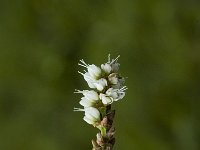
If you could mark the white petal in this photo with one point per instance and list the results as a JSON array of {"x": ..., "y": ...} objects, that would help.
[
  {"x": 92, "y": 95},
  {"x": 106, "y": 68},
  {"x": 112, "y": 93},
  {"x": 91, "y": 85},
  {"x": 85, "y": 102},
  {"x": 106, "y": 99},
  {"x": 113, "y": 79},
  {"x": 92, "y": 113},
  {"x": 87, "y": 77},
  {"x": 88, "y": 120},
  {"x": 94, "y": 71},
  {"x": 90, "y": 116},
  {"x": 101, "y": 84},
  {"x": 121, "y": 95}
]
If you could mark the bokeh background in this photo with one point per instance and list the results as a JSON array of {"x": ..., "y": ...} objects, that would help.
[{"x": 41, "y": 42}]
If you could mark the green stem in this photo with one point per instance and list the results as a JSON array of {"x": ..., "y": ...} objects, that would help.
[{"x": 102, "y": 129}]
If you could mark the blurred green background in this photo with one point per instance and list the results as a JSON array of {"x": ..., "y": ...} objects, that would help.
[{"x": 41, "y": 42}]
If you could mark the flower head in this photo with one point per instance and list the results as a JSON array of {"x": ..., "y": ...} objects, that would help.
[{"x": 107, "y": 85}]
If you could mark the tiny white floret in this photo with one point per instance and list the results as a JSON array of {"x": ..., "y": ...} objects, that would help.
[
  {"x": 100, "y": 84},
  {"x": 106, "y": 68},
  {"x": 94, "y": 71},
  {"x": 113, "y": 78},
  {"x": 106, "y": 99},
  {"x": 92, "y": 115}
]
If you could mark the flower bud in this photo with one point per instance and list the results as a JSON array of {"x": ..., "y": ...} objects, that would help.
[
  {"x": 105, "y": 99},
  {"x": 106, "y": 68},
  {"x": 100, "y": 140},
  {"x": 111, "y": 132},
  {"x": 95, "y": 145},
  {"x": 100, "y": 84},
  {"x": 113, "y": 78}
]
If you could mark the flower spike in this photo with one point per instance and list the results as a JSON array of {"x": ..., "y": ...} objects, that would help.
[{"x": 107, "y": 87}]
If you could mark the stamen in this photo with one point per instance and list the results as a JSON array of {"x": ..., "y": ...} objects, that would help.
[
  {"x": 115, "y": 60},
  {"x": 81, "y": 73},
  {"x": 108, "y": 58},
  {"x": 85, "y": 75},
  {"x": 123, "y": 88},
  {"x": 78, "y": 91},
  {"x": 79, "y": 109},
  {"x": 83, "y": 63}
]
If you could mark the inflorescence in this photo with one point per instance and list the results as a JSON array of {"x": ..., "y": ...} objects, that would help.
[{"x": 107, "y": 87}]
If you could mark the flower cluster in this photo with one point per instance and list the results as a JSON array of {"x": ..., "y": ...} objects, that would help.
[{"x": 106, "y": 87}]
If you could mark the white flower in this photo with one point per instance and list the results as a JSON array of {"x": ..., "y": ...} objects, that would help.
[
  {"x": 113, "y": 78},
  {"x": 86, "y": 102},
  {"x": 116, "y": 94},
  {"x": 93, "y": 71},
  {"x": 90, "y": 98},
  {"x": 91, "y": 95},
  {"x": 88, "y": 79},
  {"x": 92, "y": 83},
  {"x": 92, "y": 115},
  {"x": 112, "y": 95},
  {"x": 100, "y": 84},
  {"x": 106, "y": 99},
  {"x": 106, "y": 68},
  {"x": 108, "y": 85}
]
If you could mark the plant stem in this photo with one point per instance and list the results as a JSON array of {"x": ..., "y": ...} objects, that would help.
[{"x": 105, "y": 139}]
